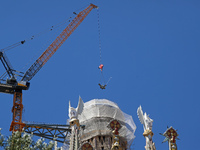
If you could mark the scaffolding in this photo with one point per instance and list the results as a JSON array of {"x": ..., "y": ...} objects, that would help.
[{"x": 96, "y": 116}]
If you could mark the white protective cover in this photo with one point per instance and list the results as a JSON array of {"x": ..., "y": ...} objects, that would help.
[{"x": 96, "y": 116}]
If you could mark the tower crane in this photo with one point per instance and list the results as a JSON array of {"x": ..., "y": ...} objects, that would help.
[{"x": 15, "y": 87}]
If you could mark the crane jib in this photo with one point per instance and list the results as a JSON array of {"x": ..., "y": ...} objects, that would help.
[{"x": 30, "y": 73}]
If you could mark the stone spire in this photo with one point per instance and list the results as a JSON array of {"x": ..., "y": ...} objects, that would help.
[
  {"x": 147, "y": 124},
  {"x": 171, "y": 136},
  {"x": 74, "y": 124}
]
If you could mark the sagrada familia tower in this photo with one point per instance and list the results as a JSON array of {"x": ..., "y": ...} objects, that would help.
[{"x": 99, "y": 124}]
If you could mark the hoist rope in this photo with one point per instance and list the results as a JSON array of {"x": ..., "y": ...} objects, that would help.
[
  {"x": 102, "y": 86},
  {"x": 99, "y": 36},
  {"x": 100, "y": 53},
  {"x": 102, "y": 77}
]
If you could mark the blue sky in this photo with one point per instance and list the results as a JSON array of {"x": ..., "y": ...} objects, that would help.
[{"x": 149, "y": 48}]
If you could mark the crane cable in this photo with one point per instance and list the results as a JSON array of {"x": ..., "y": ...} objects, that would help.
[
  {"x": 99, "y": 33},
  {"x": 42, "y": 48},
  {"x": 102, "y": 86},
  {"x": 37, "y": 35},
  {"x": 12, "y": 46},
  {"x": 56, "y": 27}
]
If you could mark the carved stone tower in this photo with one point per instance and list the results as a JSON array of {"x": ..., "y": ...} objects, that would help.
[
  {"x": 171, "y": 136},
  {"x": 106, "y": 127}
]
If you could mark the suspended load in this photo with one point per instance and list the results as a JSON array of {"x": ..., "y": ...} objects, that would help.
[
  {"x": 101, "y": 67},
  {"x": 102, "y": 86}
]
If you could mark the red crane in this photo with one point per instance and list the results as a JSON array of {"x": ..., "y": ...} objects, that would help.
[{"x": 12, "y": 86}]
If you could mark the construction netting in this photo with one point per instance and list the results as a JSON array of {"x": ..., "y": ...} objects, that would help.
[{"x": 96, "y": 116}]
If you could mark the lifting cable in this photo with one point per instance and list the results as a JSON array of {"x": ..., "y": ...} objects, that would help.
[
  {"x": 99, "y": 35},
  {"x": 102, "y": 86}
]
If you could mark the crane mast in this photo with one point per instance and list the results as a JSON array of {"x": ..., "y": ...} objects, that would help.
[{"x": 17, "y": 88}]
